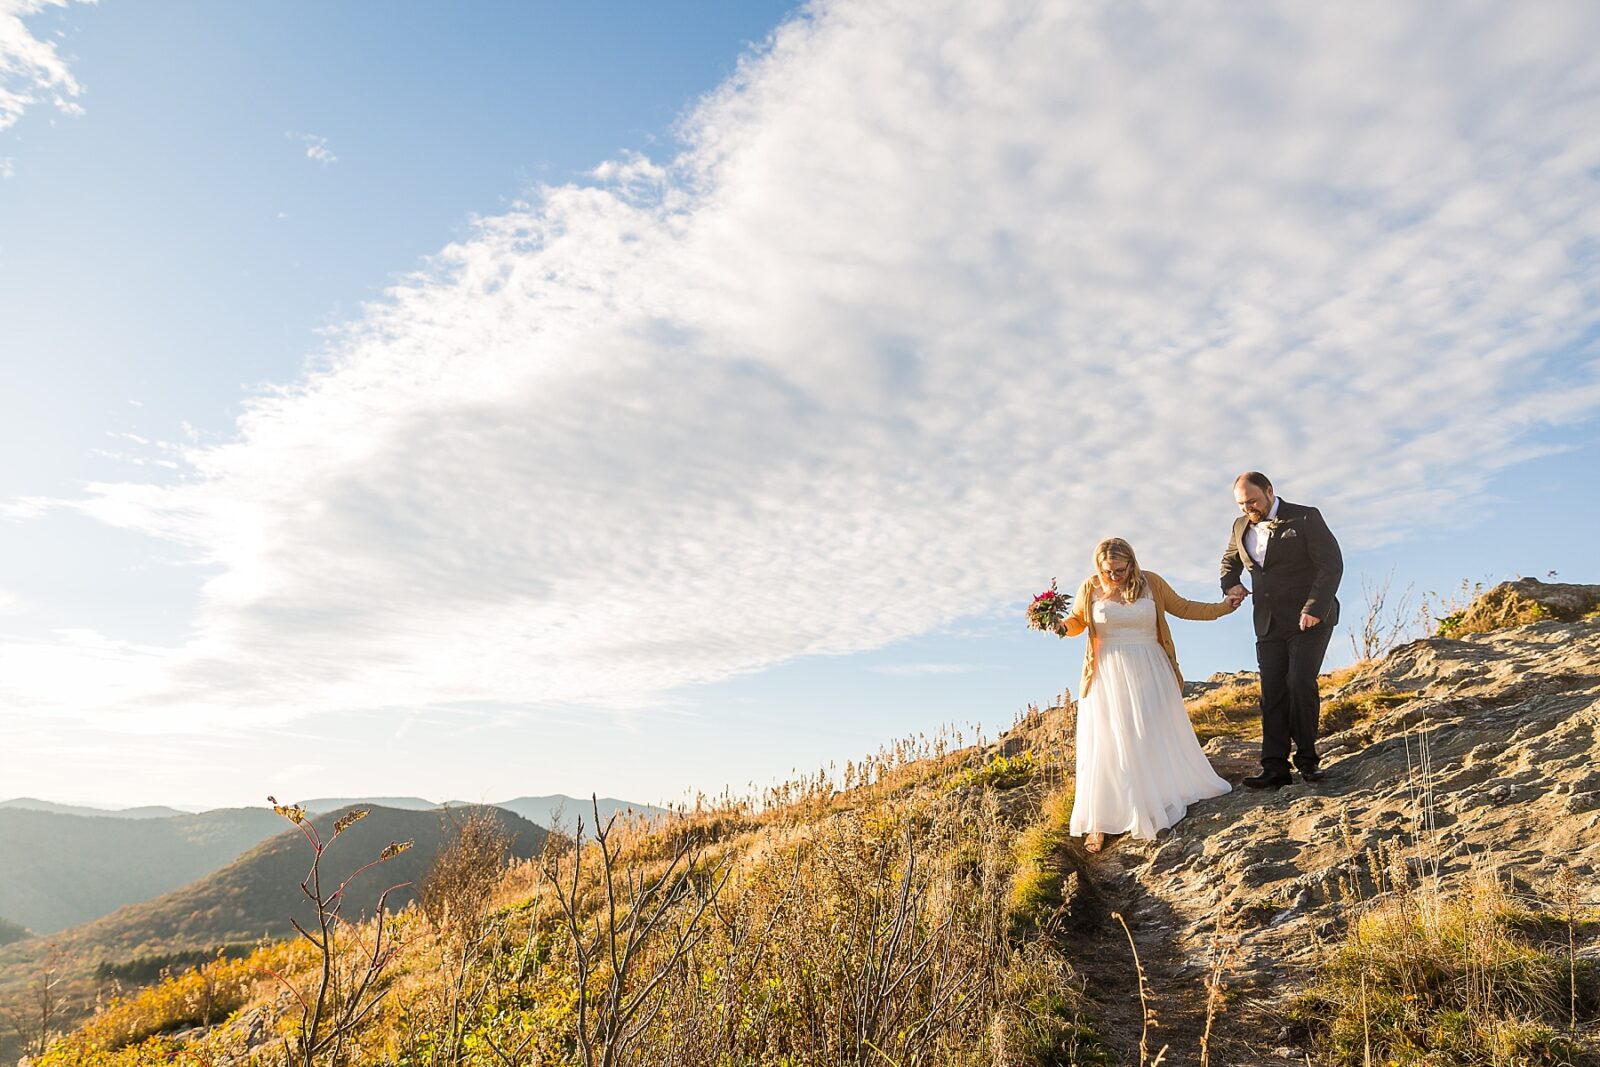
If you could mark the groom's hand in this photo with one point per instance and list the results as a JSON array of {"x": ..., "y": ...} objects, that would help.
[
  {"x": 1237, "y": 593},
  {"x": 1308, "y": 621}
]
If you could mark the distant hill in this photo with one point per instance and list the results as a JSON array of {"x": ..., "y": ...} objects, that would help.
[
  {"x": 152, "y": 811},
  {"x": 548, "y": 811},
  {"x": 10, "y": 931},
  {"x": 61, "y": 870},
  {"x": 258, "y": 893},
  {"x": 541, "y": 810},
  {"x": 326, "y": 804},
  {"x": 65, "y": 865}
]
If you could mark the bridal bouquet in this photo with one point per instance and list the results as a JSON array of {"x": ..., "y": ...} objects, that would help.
[{"x": 1048, "y": 612}]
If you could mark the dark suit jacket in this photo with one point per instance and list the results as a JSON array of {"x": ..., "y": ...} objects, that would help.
[{"x": 1300, "y": 572}]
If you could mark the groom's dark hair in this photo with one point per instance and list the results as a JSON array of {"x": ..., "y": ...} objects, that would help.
[{"x": 1255, "y": 478}]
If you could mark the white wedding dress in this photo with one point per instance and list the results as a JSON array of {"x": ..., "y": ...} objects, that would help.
[{"x": 1139, "y": 764}]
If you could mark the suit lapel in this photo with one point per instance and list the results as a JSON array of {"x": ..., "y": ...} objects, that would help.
[
  {"x": 1285, "y": 513},
  {"x": 1240, "y": 525}
]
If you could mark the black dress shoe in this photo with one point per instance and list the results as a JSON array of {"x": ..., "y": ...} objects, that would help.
[
  {"x": 1268, "y": 781},
  {"x": 1313, "y": 775}
]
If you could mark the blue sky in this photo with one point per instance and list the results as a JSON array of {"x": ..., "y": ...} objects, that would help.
[{"x": 508, "y": 399}]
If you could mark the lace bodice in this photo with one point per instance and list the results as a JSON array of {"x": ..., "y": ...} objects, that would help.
[{"x": 1115, "y": 621}]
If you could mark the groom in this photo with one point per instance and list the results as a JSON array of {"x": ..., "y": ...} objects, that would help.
[{"x": 1294, "y": 566}]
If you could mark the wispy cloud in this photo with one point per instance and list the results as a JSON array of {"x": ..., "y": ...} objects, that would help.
[
  {"x": 316, "y": 147},
  {"x": 936, "y": 295},
  {"x": 31, "y": 69}
]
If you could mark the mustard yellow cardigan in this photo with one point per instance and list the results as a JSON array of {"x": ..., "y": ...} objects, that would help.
[{"x": 1080, "y": 618}]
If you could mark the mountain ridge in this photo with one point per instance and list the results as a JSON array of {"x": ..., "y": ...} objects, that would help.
[
  {"x": 148, "y": 811},
  {"x": 257, "y": 894}
]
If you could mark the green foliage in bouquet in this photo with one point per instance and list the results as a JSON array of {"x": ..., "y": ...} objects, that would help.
[{"x": 1048, "y": 611}]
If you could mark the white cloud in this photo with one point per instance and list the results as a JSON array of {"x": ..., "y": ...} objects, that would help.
[
  {"x": 31, "y": 69},
  {"x": 937, "y": 295},
  {"x": 316, "y": 148}
]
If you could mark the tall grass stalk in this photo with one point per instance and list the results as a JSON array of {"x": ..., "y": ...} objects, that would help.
[{"x": 1147, "y": 1013}]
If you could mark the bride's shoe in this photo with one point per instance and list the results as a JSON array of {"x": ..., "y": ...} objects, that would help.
[{"x": 1094, "y": 842}]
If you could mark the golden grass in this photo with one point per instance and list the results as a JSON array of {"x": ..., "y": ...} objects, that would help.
[
  {"x": 133, "y": 1025},
  {"x": 1425, "y": 978},
  {"x": 794, "y": 963},
  {"x": 1234, "y": 710},
  {"x": 1039, "y": 873}
]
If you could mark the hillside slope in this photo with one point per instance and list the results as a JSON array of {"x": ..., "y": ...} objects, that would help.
[
  {"x": 566, "y": 811},
  {"x": 258, "y": 894},
  {"x": 10, "y": 931},
  {"x": 62, "y": 870}
]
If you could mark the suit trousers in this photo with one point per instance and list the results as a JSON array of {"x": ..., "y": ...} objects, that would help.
[{"x": 1290, "y": 660}]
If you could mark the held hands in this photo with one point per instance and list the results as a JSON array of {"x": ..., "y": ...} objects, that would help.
[{"x": 1236, "y": 595}]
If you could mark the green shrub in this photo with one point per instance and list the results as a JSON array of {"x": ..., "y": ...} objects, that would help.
[{"x": 999, "y": 773}]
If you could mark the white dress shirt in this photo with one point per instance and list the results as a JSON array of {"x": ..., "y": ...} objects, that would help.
[{"x": 1255, "y": 537}]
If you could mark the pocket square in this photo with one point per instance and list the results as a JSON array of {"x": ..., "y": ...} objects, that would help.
[{"x": 1291, "y": 532}]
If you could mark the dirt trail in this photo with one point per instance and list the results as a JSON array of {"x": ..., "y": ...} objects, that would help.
[{"x": 1248, "y": 1025}]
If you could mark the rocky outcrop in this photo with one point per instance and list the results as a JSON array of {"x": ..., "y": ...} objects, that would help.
[{"x": 1519, "y": 603}]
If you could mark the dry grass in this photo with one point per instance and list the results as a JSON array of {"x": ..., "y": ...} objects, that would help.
[
  {"x": 1347, "y": 711},
  {"x": 877, "y": 933},
  {"x": 1435, "y": 970},
  {"x": 1232, "y": 710},
  {"x": 1430, "y": 978},
  {"x": 1041, "y": 867}
]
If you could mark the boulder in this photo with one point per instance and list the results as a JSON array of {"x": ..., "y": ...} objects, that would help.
[{"x": 1519, "y": 603}]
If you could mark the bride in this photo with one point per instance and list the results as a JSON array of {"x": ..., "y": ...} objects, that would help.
[{"x": 1139, "y": 764}]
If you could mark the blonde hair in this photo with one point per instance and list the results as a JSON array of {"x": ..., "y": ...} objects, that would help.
[{"x": 1115, "y": 548}]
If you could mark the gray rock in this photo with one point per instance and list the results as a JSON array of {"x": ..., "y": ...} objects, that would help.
[{"x": 1578, "y": 803}]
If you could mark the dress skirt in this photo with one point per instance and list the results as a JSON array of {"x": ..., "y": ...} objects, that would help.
[{"x": 1139, "y": 763}]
